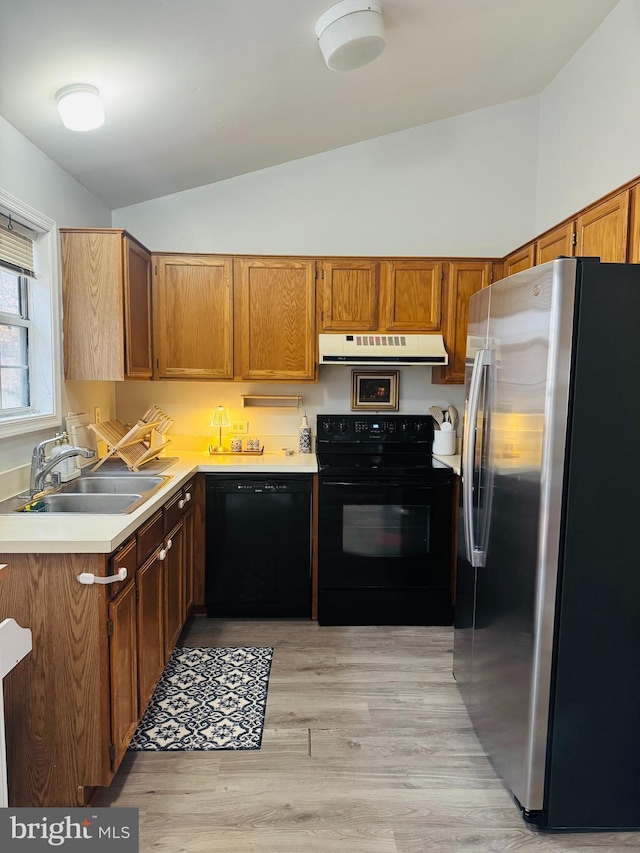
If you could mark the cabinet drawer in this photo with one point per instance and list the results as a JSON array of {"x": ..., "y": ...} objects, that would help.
[
  {"x": 150, "y": 536},
  {"x": 125, "y": 557},
  {"x": 173, "y": 512},
  {"x": 188, "y": 493}
]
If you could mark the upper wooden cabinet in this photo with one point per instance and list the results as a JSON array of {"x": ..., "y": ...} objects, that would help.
[
  {"x": 603, "y": 230},
  {"x": 193, "y": 317},
  {"x": 523, "y": 259},
  {"x": 395, "y": 295},
  {"x": 275, "y": 318},
  {"x": 411, "y": 296},
  {"x": 350, "y": 295},
  {"x": 462, "y": 280},
  {"x": 106, "y": 295},
  {"x": 557, "y": 242}
]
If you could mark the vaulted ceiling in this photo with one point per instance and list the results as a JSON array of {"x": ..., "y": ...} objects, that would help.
[{"x": 196, "y": 91}]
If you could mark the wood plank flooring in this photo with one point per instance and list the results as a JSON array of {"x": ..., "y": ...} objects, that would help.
[{"x": 367, "y": 748}]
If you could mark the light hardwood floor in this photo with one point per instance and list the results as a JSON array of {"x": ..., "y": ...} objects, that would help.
[{"x": 367, "y": 748}]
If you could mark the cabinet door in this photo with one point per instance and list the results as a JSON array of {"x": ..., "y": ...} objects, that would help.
[
  {"x": 634, "y": 226},
  {"x": 349, "y": 295},
  {"x": 137, "y": 310},
  {"x": 174, "y": 612},
  {"x": 556, "y": 242},
  {"x": 523, "y": 259},
  {"x": 93, "y": 314},
  {"x": 275, "y": 318},
  {"x": 192, "y": 309},
  {"x": 411, "y": 296},
  {"x": 124, "y": 673},
  {"x": 462, "y": 280},
  {"x": 603, "y": 230},
  {"x": 189, "y": 546},
  {"x": 150, "y": 581}
]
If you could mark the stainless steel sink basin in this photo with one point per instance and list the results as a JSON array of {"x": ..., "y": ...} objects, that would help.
[
  {"x": 101, "y": 495},
  {"x": 112, "y": 485},
  {"x": 99, "y": 504}
]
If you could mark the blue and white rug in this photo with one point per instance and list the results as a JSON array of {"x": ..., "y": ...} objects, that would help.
[{"x": 207, "y": 699}]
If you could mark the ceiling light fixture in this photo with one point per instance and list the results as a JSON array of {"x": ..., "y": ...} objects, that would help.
[
  {"x": 351, "y": 34},
  {"x": 80, "y": 107}
]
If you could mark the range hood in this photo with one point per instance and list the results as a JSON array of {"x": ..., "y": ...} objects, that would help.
[{"x": 367, "y": 349}]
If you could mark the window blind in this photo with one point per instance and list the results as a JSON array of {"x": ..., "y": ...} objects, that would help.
[{"x": 16, "y": 251}]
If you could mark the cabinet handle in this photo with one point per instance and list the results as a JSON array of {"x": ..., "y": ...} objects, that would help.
[
  {"x": 187, "y": 497},
  {"x": 181, "y": 503},
  {"x": 169, "y": 544},
  {"x": 89, "y": 577},
  {"x": 163, "y": 554}
]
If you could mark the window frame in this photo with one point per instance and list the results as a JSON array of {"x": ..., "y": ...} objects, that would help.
[
  {"x": 44, "y": 321},
  {"x": 20, "y": 321}
]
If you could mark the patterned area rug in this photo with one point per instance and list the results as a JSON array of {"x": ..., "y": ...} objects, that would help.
[{"x": 207, "y": 699}]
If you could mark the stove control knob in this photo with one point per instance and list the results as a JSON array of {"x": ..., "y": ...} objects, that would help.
[
  {"x": 421, "y": 427},
  {"x": 343, "y": 427},
  {"x": 405, "y": 427}
]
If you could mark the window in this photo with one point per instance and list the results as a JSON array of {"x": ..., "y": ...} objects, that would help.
[
  {"x": 29, "y": 320},
  {"x": 14, "y": 343}
]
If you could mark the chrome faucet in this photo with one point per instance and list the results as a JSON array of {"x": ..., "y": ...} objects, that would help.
[{"x": 40, "y": 467}]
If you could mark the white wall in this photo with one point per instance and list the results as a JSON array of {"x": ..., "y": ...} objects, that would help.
[
  {"x": 191, "y": 404},
  {"x": 590, "y": 120},
  {"x": 462, "y": 186},
  {"x": 31, "y": 176}
]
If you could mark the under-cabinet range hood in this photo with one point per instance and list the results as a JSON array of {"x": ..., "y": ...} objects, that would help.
[{"x": 374, "y": 349}]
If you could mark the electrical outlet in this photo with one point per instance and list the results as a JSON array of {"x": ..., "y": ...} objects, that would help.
[
  {"x": 240, "y": 426},
  {"x": 97, "y": 415}
]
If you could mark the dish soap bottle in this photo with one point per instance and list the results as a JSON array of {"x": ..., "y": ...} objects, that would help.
[{"x": 304, "y": 436}]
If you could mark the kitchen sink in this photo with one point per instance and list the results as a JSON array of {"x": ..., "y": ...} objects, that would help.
[
  {"x": 109, "y": 485},
  {"x": 99, "y": 504},
  {"x": 101, "y": 495}
]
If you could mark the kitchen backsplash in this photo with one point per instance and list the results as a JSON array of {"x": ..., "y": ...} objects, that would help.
[{"x": 191, "y": 404}]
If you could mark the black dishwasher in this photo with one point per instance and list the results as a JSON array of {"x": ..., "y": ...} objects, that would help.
[{"x": 258, "y": 546}]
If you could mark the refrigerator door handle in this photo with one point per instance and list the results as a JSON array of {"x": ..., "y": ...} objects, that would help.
[{"x": 476, "y": 556}]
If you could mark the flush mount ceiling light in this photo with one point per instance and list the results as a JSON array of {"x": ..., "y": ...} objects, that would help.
[
  {"x": 351, "y": 34},
  {"x": 80, "y": 107}
]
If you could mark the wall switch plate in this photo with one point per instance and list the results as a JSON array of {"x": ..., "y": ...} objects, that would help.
[
  {"x": 240, "y": 427},
  {"x": 97, "y": 415}
]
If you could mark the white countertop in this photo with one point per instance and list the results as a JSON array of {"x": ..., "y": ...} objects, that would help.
[
  {"x": 454, "y": 462},
  {"x": 25, "y": 533}
]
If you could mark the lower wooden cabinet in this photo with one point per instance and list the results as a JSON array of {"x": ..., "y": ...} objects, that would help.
[
  {"x": 123, "y": 670},
  {"x": 73, "y": 705}
]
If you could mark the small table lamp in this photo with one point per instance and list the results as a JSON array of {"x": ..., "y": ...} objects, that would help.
[{"x": 220, "y": 419}]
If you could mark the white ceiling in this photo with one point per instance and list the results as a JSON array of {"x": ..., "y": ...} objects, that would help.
[{"x": 197, "y": 91}]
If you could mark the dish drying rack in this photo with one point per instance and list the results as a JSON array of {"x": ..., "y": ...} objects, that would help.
[{"x": 136, "y": 445}]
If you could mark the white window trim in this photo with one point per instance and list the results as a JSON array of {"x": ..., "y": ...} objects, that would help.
[{"x": 48, "y": 333}]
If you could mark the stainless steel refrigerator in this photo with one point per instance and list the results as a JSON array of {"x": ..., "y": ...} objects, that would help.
[{"x": 547, "y": 619}]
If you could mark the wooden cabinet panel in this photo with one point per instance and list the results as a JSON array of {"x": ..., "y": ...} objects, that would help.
[
  {"x": 634, "y": 226},
  {"x": 193, "y": 307},
  {"x": 189, "y": 553},
  {"x": 106, "y": 305},
  {"x": 350, "y": 295},
  {"x": 137, "y": 310},
  {"x": 150, "y": 536},
  {"x": 151, "y": 647},
  {"x": 556, "y": 242},
  {"x": 411, "y": 296},
  {"x": 124, "y": 557},
  {"x": 462, "y": 280},
  {"x": 523, "y": 259},
  {"x": 603, "y": 230},
  {"x": 124, "y": 671},
  {"x": 174, "y": 585},
  {"x": 173, "y": 511},
  {"x": 275, "y": 318}
]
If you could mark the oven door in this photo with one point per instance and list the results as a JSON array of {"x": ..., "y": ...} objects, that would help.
[{"x": 374, "y": 534}]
